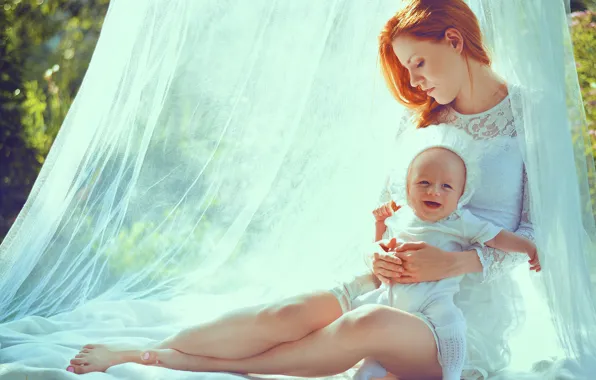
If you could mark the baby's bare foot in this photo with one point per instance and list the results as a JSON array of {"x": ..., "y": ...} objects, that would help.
[{"x": 98, "y": 358}]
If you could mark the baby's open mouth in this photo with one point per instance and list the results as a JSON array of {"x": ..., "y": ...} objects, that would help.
[{"x": 431, "y": 204}]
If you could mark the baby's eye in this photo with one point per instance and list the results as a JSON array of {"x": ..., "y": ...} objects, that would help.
[
  {"x": 423, "y": 183},
  {"x": 447, "y": 186}
]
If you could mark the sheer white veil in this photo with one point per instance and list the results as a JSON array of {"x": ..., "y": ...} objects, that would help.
[
  {"x": 234, "y": 147},
  {"x": 213, "y": 146},
  {"x": 532, "y": 50}
]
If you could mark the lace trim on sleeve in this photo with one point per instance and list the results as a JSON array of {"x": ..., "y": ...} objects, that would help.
[{"x": 496, "y": 262}]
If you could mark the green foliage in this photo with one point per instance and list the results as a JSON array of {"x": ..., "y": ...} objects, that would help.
[
  {"x": 583, "y": 33},
  {"x": 45, "y": 47},
  {"x": 584, "y": 38},
  {"x": 582, "y": 5}
]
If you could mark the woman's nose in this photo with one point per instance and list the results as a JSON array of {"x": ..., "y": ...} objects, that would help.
[{"x": 415, "y": 80}]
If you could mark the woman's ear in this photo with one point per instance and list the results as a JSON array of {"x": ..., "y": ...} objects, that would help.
[{"x": 455, "y": 40}]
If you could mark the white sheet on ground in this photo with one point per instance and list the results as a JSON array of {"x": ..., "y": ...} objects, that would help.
[{"x": 36, "y": 348}]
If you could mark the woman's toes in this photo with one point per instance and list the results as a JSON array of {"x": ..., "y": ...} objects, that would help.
[
  {"x": 90, "y": 346},
  {"x": 80, "y": 369},
  {"x": 88, "y": 368},
  {"x": 150, "y": 357},
  {"x": 78, "y": 361},
  {"x": 80, "y": 356}
]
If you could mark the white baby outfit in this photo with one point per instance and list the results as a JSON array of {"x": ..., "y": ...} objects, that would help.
[{"x": 430, "y": 301}]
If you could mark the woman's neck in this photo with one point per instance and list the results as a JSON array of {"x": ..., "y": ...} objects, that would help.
[{"x": 481, "y": 92}]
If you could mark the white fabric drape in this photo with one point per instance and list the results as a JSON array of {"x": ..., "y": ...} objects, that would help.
[
  {"x": 234, "y": 147},
  {"x": 207, "y": 139},
  {"x": 532, "y": 49}
]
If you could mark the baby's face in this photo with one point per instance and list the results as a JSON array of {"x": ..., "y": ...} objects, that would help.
[{"x": 436, "y": 181}]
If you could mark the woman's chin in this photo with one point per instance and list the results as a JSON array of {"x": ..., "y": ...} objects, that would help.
[{"x": 442, "y": 101}]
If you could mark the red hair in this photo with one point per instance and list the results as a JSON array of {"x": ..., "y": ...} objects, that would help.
[{"x": 426, "y": 20}]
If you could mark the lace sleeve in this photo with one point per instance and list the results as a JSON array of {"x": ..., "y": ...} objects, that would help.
[{"x": 496, "y": 262}]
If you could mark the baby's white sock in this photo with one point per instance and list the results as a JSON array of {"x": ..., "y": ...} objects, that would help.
[
  {"x": 353, "y": 287},
  {"x": 452, "y": 347},
  {"x": 370, "y": 369}
]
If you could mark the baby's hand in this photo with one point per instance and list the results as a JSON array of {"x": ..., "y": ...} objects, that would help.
[
  {"x": 534, "y": 261},
  {"x": 385, "y": 211}
]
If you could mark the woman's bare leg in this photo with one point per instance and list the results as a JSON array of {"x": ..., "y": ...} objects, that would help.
[
  {"x": 401, "y": 342},
  {"x": 237, "y": 335},
  {"x": 252, "y": 331}
]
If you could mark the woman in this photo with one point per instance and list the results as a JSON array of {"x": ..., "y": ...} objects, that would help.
[{"x": 434, "y": 62}]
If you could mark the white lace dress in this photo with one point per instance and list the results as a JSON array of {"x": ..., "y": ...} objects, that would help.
[{"x": 490, "y": 301}]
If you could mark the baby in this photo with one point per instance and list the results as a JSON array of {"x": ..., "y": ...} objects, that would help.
[{"x": 440, "y": 180}]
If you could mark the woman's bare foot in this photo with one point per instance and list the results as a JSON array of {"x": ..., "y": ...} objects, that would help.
[
  {"x": 98, "y": 358},
  {"x": 172, "y": 359}
]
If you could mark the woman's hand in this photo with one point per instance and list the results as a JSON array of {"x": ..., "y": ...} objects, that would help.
[
  {"x": 385, "y": 265},
  {"x": 423, "y": 262}
]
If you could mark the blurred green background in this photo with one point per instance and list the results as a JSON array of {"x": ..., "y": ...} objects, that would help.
[{"x": 45, "y": 48}]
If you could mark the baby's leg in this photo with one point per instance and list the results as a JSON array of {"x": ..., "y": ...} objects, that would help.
[
  {"x": 357, "y": 291},
  {"x": 450, "y": 328}
]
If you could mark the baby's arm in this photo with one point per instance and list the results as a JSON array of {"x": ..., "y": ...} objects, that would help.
[
  {"x": 380, "y": 215},
  {"x": 483, "y": 232},
  {"x": 510, "y": 242},
  {"x": 380, "y": 229}
]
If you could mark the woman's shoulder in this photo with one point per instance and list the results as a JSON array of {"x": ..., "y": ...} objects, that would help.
[
  {"x": 499, "y": 121},
  {"x": 519, "y": 92}
]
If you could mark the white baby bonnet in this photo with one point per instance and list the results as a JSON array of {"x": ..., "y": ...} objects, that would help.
[{"x": 415, "y": 141}]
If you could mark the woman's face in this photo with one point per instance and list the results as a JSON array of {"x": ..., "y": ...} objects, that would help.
[{"x": 435, "y": 67}]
